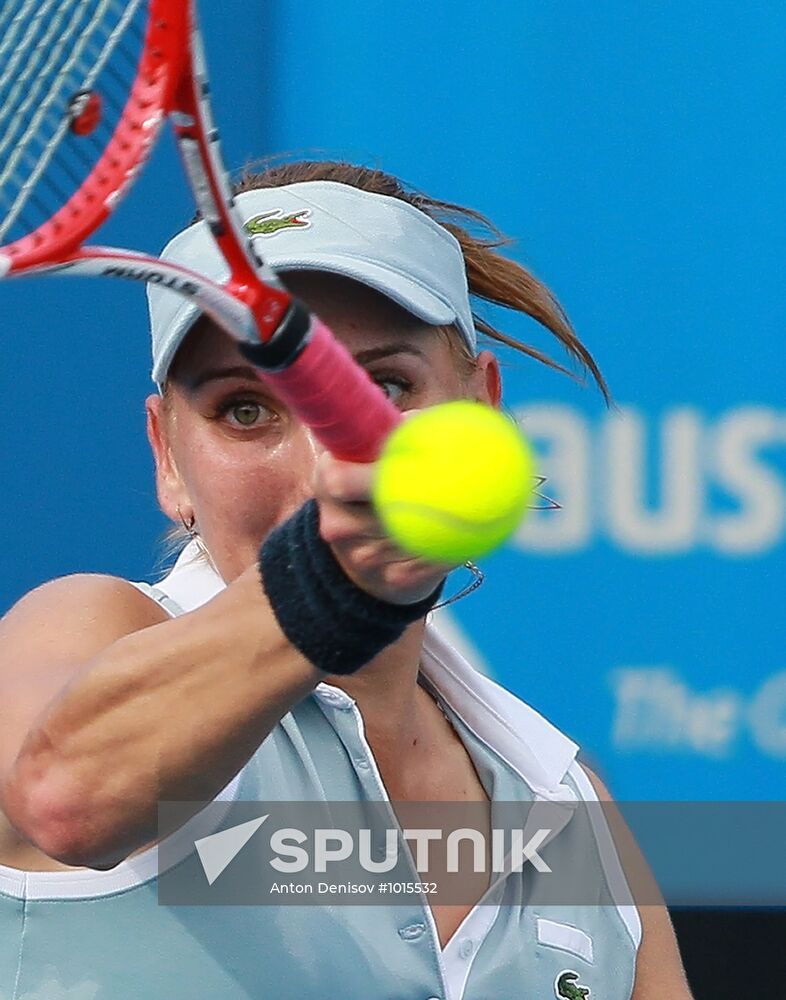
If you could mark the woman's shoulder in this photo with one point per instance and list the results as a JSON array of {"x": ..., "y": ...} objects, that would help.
[
  {"x": 98, "y": 602},
  {"x": 50, "y": 634}
]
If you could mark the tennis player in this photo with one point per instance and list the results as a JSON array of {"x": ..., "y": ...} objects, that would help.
[{"x": 287, "y": 656}]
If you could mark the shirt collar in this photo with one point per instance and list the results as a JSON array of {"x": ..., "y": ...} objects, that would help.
[
  {"x": 531, "y": 744},
  {"x": 535, "y": 748}
]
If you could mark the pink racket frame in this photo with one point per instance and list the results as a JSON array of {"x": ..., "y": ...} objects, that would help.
[{"x": 348, "y": 413}]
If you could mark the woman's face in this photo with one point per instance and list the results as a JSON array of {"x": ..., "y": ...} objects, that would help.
[{"x": 228, "y": 451}]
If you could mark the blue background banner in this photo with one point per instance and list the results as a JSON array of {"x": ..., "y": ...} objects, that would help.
[{"x": 635, "y": 153}]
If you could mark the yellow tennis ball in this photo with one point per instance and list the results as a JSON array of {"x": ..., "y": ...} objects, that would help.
[{"x": 452, "y": 482}]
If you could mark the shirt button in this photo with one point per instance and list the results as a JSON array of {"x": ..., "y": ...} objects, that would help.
[
  {"x": 362, "y": 763},
  {"x": 411, "y": 932},
  {"x": 466, "y": 948}
]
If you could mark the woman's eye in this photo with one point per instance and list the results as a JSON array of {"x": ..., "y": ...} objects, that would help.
[
  {"x": 245, "y": 412},
  {"x": 394, "y": 388}
]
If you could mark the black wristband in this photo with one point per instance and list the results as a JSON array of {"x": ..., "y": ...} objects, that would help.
[{"x": 337, "y": 626}]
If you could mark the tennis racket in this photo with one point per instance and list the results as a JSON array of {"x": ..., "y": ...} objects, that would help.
[{"x": 85, "y": 87}]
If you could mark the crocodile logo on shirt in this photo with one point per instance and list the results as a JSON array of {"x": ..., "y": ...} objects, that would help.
[
  {"x": 564, "y": 986},
  {"x": 270, "y": 223}
]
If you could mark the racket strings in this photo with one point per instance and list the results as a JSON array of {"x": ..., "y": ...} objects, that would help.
[
  {"x": 42, "y": 76},
  {"x": 6, "y": 13},
  {"x": 11, "y": 35},
  {"x": 55, "y": 54},
  {"x": 37, "y": 54}
]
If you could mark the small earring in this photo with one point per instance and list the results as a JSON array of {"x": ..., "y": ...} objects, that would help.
[
  {"x": 548, "y": 503},
  {"x": 478, "y": 576},
  {"x": 189, "y": 524}
]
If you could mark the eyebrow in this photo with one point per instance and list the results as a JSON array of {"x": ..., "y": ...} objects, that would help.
[
  {"x": 247, "y": 371},
  {"x": 214, "y": 374}
]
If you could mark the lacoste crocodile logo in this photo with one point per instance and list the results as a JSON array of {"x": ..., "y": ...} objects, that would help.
[
  {"x": 270, "y": 223},
  {"x": 564, "y": 987}
]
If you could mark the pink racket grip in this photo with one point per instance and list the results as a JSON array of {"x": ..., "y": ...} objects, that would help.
[{"x": 330, "y": 392}]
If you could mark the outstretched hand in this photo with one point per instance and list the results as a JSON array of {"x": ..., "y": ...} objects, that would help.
[{"x": 349, "y": 524}]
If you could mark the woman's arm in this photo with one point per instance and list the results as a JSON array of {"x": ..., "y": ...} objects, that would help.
[
  {"x": 106, "y": 708},
  {"x": 659, "y": 970}
]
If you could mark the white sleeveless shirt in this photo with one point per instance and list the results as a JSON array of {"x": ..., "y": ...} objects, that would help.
[{"x": 102, "y": 935}]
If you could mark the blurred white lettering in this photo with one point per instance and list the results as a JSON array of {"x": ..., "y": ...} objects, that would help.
[
  {"x": 653, "y": 490},
  {"x": 655, "y": 710},
  {"x": 767, "y": 717},
  {"x": 758, "y": 525},
  {"x": 671, "y": 525}
]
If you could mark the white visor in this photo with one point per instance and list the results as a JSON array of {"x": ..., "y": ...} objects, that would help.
[{"x": 375, "y": 239}]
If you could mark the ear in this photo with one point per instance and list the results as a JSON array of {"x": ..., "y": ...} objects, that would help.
[
  {"x": 170, "y": 487},
  {"x": 485, "y": 383}
]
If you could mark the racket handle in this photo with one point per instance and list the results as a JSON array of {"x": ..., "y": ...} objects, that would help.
[{"x": 324, "y": 385}]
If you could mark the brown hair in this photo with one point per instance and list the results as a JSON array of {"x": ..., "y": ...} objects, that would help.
[{"x": 491, "y": 277}]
